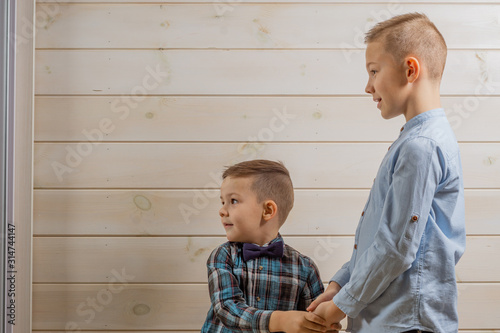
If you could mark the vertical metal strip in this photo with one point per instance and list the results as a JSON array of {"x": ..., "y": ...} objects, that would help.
[
  {"x": 8, "y": 46},
  {"x": 3, "y": 138},
  {"x": 3, "y": 115}
]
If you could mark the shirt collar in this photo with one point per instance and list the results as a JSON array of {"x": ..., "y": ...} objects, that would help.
[
  {"x": 278, "y": 238},
  {"x": 419, "y": 119}
]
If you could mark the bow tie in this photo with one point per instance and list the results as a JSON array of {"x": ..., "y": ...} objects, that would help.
[{"x": 252, "y": 251}]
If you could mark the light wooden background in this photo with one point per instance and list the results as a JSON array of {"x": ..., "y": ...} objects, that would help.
[{"x": 127, "y": 162}]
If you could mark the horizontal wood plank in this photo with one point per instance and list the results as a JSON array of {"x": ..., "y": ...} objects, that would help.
[
  {"x": 183, "y": 259},
  {"x": 177, "y": 165},
  {"x": 184, "y": 307},
  {"x": 206, "y": 118},
  {"x": 124, "y": 306},
  {"x": 306, "y": 119},
  {"x": 157, "y": 260},
  {"x": 250, "y": 25},
  {"x": 190, "y": 212},
  {"x": 239, "y": 72},
  {"x": 195, "y": 212}
]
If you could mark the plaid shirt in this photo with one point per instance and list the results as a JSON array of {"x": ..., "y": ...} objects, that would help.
[{"x": 244, "y": 294}]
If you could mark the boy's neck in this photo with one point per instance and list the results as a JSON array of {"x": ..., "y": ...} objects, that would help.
[
  {"x": 426, "y": 97},
  {"x": 265, "y": 239}
]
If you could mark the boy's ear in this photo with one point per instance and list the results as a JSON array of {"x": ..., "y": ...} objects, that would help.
[
  {"x": 412, "y": 69},
  {"x": 270, "y": 210}
]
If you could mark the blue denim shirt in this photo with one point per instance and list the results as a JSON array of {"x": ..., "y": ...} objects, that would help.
[{"x": 410, "y": 236}]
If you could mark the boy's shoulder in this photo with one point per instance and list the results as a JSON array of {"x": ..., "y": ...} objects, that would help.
[
  {"x": 298, "y": 258},
  {"x": 427, "y": 133},
  {"x": 224, "y": 252}
]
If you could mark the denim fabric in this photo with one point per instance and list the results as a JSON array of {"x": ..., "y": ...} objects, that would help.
[{"x": 410, "y": 236}]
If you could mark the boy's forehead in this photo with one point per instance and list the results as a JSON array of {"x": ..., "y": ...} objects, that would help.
[
  {"x": 373, "y": 51},
  {"x": 376, "y": 54},
  {"x": 235, "y": 184}
]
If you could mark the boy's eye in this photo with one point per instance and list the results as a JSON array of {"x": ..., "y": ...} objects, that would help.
[
  {"x": 234, "y": 201},
  {"x": 373, "y": 72}
]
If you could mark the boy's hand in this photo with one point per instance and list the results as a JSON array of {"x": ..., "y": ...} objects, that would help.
[
  {"x": 332, "y": 290},
  {"x": 330, "y": 312},
  {"x": 298, "y": 322}
]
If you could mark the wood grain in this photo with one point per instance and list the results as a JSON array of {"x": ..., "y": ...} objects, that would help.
[
  {"x": 198, "y": 165},
  {"x": 158, "y": 259},
  {"x": 184, "y": 307},
  {"x": 195, "y": 212},
  {"x": 238, "y": 25},
  {"x": 195, "y": 118},
  {"x": 143, "y": 103},
  {"x": 238, "y": 72}
]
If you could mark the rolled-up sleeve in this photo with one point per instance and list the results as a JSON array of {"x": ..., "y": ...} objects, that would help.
[
  {"x": 417, "y": 172},
  {"x": 343, "y": 275}
]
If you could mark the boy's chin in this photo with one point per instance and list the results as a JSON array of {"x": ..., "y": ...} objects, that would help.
[
  {"x": 232, "y": 238},
  {"x": 389, "y": 115}
]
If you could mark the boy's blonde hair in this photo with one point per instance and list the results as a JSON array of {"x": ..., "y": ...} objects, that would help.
[
  {"x": 412, "y": 34},
  {"x": 271, "y": 180}
]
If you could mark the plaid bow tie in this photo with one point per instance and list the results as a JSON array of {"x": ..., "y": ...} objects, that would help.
[{"x": 252, "y": 251}]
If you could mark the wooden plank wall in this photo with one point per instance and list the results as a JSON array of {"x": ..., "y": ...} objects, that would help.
[{"x": 140, "y": 105}]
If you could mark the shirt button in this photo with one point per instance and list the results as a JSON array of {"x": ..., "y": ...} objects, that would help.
[
  {"x": 355, "y": 246},
  {"x": 363, "y": 213},
  {"x": 258, "y": 299},
  {"x": 414, "y": 218},
  {"x": 260, "y": 268},
  {"x": 402, "y": 128}
]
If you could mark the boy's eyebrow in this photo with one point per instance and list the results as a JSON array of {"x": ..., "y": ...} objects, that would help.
[
  {"x": 370, "y": 63},
  {"x": 229, "y": 194}
]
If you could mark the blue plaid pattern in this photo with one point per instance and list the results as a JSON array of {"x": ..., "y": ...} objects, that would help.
[{"x": 244, "y": 294}]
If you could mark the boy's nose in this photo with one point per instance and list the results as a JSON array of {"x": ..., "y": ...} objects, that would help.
[
  {"x": 222, "y": 212},
  {"x": 369, "y": 88}
]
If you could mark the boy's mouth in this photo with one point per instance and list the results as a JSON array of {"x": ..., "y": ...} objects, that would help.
[
  {"x": 226, "y": 225},
  {"x": 378, "y": 100}
]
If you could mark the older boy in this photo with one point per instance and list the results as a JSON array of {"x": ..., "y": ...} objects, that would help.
[
  {"x": 256, "y": 281},
  {"x": 411, "y": 234}
]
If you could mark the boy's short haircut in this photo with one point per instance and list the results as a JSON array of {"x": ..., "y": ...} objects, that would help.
[
  {"x": 412, "y": 34},
  {"x": 271, "y": 180}
]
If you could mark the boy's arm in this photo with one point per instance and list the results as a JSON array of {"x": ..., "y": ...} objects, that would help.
[
  {"x": 330, "y": 312},
  {"x": 313, "y": 287},
  {"x": 335, "y": 284},
  {"x": 313, "y": 290},
  {"x": 416, "y": 175},
  {"x": 297, "y": 322},
  {"x": 228, "y": 299},
  {"x": 332, "y": 290}
]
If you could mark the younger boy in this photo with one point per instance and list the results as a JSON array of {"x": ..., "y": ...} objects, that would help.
[
  {"x": 256, "y": 281},
  {"x": 411, "y": 234}
]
